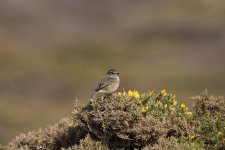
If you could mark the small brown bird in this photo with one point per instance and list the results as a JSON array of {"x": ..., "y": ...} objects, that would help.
[{"x": 108, "y": 84}]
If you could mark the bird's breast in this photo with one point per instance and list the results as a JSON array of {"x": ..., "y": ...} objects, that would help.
[{"x": 114, "y": 85}]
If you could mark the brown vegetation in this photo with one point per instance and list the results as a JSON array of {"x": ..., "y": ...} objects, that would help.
[
  {"x": 63, "y": 134},
  {"x": 134, "y": 121}
]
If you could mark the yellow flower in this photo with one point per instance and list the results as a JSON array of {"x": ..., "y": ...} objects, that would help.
[
  {"x": 159, "y": 104},
  {"x": 183, "y": 106},
  {"x": 144, "y": 110},
  {"x": 174, "y": 102},
  {"x": 133, "y": 94},
  {"x": 129, "y": 93},
  {"x": 174, "y": 96},
  {"x": 165, "y": 105},
  {"x": 171, "y": 108},
  {"x": 220, "y": 133},
  {"x": 136, "y": 94},
  {"x": 189, "y": 113},
  {"x": 192, "y": 136},
  {"x": 163, "y": 92},
  {"x": 150, "y": 93}
]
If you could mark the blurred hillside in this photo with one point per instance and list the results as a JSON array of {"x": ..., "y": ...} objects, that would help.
[{"x": 52, "y": 52}]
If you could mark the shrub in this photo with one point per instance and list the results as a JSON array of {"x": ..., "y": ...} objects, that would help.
[
  {"x": 175, "y": 144},
  {"x": 131, "y": 120},
  {"x": 88, "y": 144},
  {"x": 209, "y": 120},
  {"x": 63, "y": 134},
  {"x": 117, "y": 122}
]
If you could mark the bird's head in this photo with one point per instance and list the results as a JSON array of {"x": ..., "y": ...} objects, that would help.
[{"x": 113, "y": 72}]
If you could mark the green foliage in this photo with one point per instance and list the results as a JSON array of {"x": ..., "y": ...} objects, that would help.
[
  {"x": 175, "y": 144},
  {"x": 119, "y": 122},
  {"x": 209, "y": 120},
  {"x": 131, "y": 120}
]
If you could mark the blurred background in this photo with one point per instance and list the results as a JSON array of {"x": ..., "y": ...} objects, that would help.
[{"x": 52, "y": 52}]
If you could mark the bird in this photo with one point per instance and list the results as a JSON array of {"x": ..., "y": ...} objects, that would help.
[{"x": 109, "y": 84}]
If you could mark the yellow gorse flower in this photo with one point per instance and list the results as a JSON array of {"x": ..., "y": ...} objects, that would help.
[
  {"x": 189, "y": 113},
  {"x": 134, "y": 94},
  {"x": 129, "y": 93},
  {"x": 174, "y": 102},
  {"x": 163, "y": 92},
  {"x": 174, "y": 96},
  {"x": 183, "y": 106},
  {"x": 171, "y": 108},
  {"x": 192, "y": 136},
  {"x": 159, "y": 104},
  {"x": 150, "y": 93},
  {"x": 144, "y": 110},
  {"x": 220, "y": 133}
]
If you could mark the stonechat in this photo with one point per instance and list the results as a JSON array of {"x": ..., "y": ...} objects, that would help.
[{"x": 109, "y": 84}]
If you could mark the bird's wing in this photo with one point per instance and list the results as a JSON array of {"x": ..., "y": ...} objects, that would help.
[{"x": 102, "y": 84}]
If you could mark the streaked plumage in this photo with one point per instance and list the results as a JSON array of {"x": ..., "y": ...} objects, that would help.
[{"x": 108, "y": 84}]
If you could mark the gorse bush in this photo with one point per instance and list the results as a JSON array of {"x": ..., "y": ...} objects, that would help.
[
  {"x": 209, "y": 120},
  {"x": 63, "y": 134},
  {"x": 136, "y": 120},
  {"x": 119, "y": 122},
  {"x": 132, "y": 120}
]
